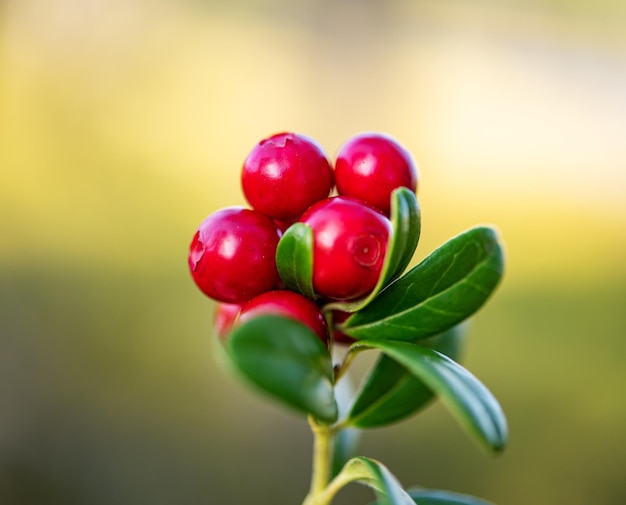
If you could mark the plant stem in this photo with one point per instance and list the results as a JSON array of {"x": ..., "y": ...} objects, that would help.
[
  {"x": 334, "y": 487},
  {"x": 343, "y": 367},
  {"x": 323, "y": 436}
]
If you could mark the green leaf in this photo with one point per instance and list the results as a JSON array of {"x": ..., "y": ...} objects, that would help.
[
  {"x": 375, "y": 475},
  {"x": 390, "y": 392},
  {"x": 406, "y": 226},
  {"x": 294, "y": 259},
  {"x": 286, "y": 359},
  {"x": 396, "y": 395},
  {"x": 439, "y": 497},
  {"x": 443, "y": 290},
  {"x": 403, "y": 239},
  {"x": 473, "y": 405}
]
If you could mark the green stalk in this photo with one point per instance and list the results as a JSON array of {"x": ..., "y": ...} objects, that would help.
[{"x": 323, "y": 439}]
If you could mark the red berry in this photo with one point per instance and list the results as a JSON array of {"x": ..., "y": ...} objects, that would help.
[
  {"x": 285, "y": 174},
  {"x": 232, "y": 256},
  {"x": 284, "y": 225},
  {"x": 224, "y": 316},
  {"x": 288, "y": 304},
  {"x": 349, "y": 245},
  {"x": 370, "y": 166},
  {"x": 337, "y": 317}
]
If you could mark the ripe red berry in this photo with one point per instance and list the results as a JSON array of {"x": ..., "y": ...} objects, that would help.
[
  {"x": 288, "y": 304},
  {"x": 285, "y": 174},
  {"x": 232, "y": 255},
  {"x": 349, "y": 246},
  {"x": 370, "y": 166}
]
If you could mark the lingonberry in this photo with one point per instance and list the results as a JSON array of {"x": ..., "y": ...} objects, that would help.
[
  {"x": 349, "y": 245},
  {"x": 232, "y": 257},
  {"x": 285, "y": 174},
  {"x": 288, "y": 304},
  {"x": 370, "y": 166},
  {"x": 284, "y": 225},
  {"x": 224, "y": 316},
  {"x": 339, "y": 337}
]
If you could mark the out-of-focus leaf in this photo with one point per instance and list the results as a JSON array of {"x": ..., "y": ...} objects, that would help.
[
  {"x": 286, "y": 359},
  {"x": 440, "y": 497},
  {"x": 375, "y": 475}
]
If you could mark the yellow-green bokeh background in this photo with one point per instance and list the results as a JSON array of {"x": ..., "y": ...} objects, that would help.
[{"x": 124, "y": 123}]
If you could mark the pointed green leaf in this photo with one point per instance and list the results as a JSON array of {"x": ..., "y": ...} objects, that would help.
[
  {"x": 286, "y": 359},
  {"x": 439, "y": 497},
  {"x": 375, "y": 475},
  {"x": 294, "y": 259},
  {"x": 443, "y": 290},
  {"x": 473, "y": 405},
  {"x": 390, "y": 392},
  {"x": 403, "y": 239}
]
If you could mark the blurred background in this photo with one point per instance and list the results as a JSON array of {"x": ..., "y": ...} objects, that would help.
[{"x": 124, "y": 123}]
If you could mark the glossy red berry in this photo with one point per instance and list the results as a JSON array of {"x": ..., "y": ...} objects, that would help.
[
  {"x": 370, "y": 166},
  {"x": 285, "y": 174},
  {"x": 349, "y": 246},
  {"x": 232, "y": 255},
  {"x": 288, "y": 304}
]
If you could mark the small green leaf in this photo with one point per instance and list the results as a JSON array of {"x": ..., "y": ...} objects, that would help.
[
  {"x": 375, "y": 475},
  {"x": 403, "y": 239},
  {"x": 439, "y": 497},
  {"x": 294, "y": 259},
  {"x": 443, "y": 290},
  {"x": 286, "y": 359},
  {"x": 406, "y": 225},
  {"x": 390, "y": 392},
  {"x": 473, "y": 405}
]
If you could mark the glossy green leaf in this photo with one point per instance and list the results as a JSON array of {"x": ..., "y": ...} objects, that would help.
[
  {"x": 470, "y": 402},
  {"x": 294, "y": 259},
  {"x": 390, "y": 392},
  {"x": 443, "y": 290},
  {"x": 406, "y": 226},
  {"x": 375, "y": 475},
  {"x": 287, "y": 360},
  {"x": 439, "y": 497},
  {"x": 405, "y": 233}
]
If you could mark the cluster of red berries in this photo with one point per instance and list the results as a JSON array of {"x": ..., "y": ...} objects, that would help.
[{"x": 287, "y": 178}]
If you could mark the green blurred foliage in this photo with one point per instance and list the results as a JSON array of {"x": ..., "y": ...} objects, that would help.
[{"x": 122, "y": 125}]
